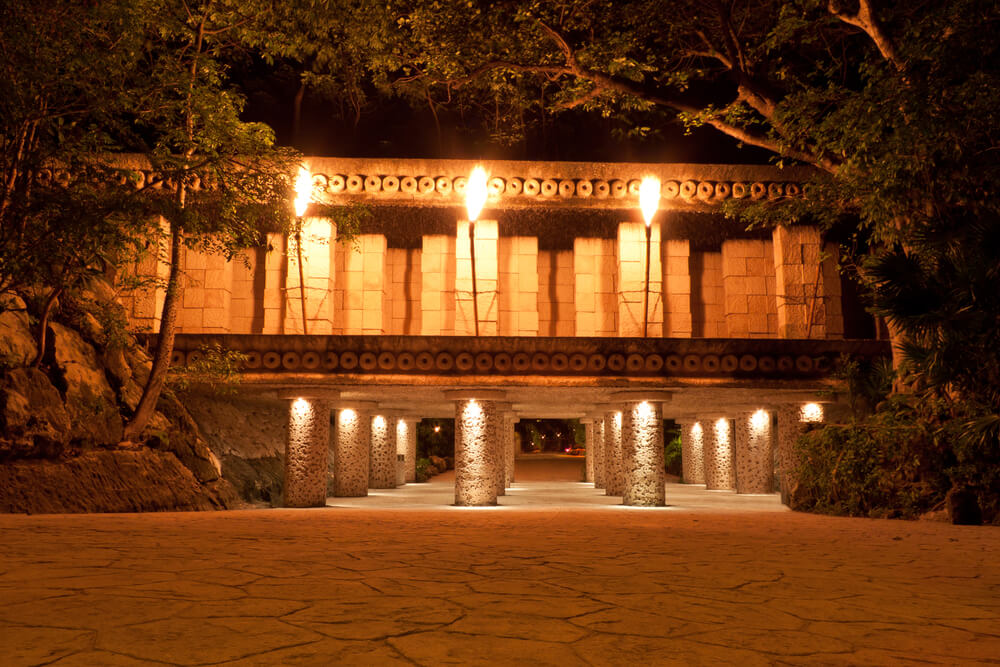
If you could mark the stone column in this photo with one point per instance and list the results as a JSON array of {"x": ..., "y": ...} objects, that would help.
[
  {"x": 406, "y": 444},
  {"x": 799, "y": 284},
  {"x": 614, "y": 452},
  {"x": 486, "y": 236},
  {"x": 514, "y": 447},
  {"x": 677, "y": 321},
  {"x": 307, "y": 448},
  {"x": 437, "y": 285},
  {"x": 478, "y": 422},
  {"x": 793, "y": 420},
  {"x": 588, "y": 427},
  {"x": 632, "y": 280},
  {"x": 518, "y": 286},
  {"x": 595, "y": 294},
  {"x": 692, "y": 452},
  {"x": 719, "y": 473},
  {"x": 753, "y": 452},
  {"x": 382, "y": 461},
  {"x": 642, "y": 434},
  {"x": 600, "y": 431},
  {"x": 352, "y": 448}
]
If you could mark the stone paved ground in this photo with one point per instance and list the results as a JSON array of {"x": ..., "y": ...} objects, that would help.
[{"x": 575, "y": 582}]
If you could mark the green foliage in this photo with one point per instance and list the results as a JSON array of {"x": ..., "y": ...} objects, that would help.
[
  {"x": 672, "y": 455},
  {"x": 217, "y": 369}
]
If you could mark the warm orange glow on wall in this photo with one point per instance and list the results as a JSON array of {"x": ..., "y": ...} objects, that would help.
[{"x": 303, "y": 191}]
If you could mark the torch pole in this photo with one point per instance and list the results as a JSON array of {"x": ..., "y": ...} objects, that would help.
[
  {"x": 302, "y": 283},
  {"x": 645, "y": 292},
  {"x": 472, "y": 256}
]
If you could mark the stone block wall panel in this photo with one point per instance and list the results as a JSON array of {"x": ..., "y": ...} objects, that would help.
[{"x": 632, "y": 288}]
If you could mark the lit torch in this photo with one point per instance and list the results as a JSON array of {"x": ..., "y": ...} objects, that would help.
[
  {"x": 303, "y": 193},
  {"x": 475, "y": 197},
  {"x": 649, "y": 201}
]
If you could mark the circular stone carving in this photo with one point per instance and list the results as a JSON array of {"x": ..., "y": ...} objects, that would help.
[
  {"x": 775, "y": 190},
  {"x": 785, "y": 364},
  {"x": 596, "y": 363},
  {"x": 766, "y": 364},
  {"x": 425, "y": 185},
  {"x": 373, "y": 184},
  {"x": 484, "y": 362},
  {"x": 689, "y": 189},
  {"x": 459, "y": 184},
  {"x": 515, "y": 186},
  {"x": 367, "y": 361},
  {"x": 618, "y": 189},
  {"x": 386, "y": 361},
  {"x": 464, "y": 361},
  {"x": 616, "y": 362},
  {"x": 549, "y": 188},
  {"x": 803, "y": 364},
  {"x": 348, "y": 360},
  {"x": 792, "y": 189},
  {"x": 567, "y": 188},
  {"x": 634, "y": 363},
  {"x": 757, "y": 190},
  {"x": 502, "y": 362},
  {"x": 653, "y": 363},
  {"x": 424, "y": 361},
  {"x": 522, "y": 362},
  {"x": 822, "y": 364},
  {"x": 670, "y": 190},
  {"x": 310, "y": 360},
  {"x": 722, "y": 190},
  {"x": 729, "y": 363},
  {"x": 390, "y": 184},
  {"x": 601, "y": 189},
  {"x": 706, "y": 190},
  {"x": 748, "y": 363},
  {"x": 584, "y": 189},
  {"x": 578, "y": 363},
  {"x": 539, "y": 361},
  {"x": 559, "y": 362},
  {"x": 337, "y": 183},
  {"x": 633, "y": 186},
  {"x": 193, "y": 357},
  {"x": 408, "y": 185},
  {"x": 330, "y": 361},
  {"x": 443, "y": 361},
  {"x": 692, "y": 363},
  {"x": 405, "y": 361},
  {"x": 271, "y": 360},
  {"x": 320, "y": 182},
  {"x": 531, "y": 187},
  {"x": 443, "y": 185},
  {"x": 496, "y": 186},
  {"x": 177, "y": 358},
  {"x": 252, "y": 361},
  {"x": 674, "y": 363},
  {"x": 355, "y": 183},
  {"x": 739, "y": 190},
  {"x": 710, "y": 363}
]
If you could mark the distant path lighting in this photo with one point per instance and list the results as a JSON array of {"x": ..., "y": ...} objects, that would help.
[
  {"x": 475, "y": 198},
  {"x": 303, "y": 193},
  {"x": 649, "y": 202}
]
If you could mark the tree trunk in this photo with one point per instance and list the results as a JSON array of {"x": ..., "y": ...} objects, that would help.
[
  {"x": 165, "y": 344},
  {"x": 41, "y": 338}
]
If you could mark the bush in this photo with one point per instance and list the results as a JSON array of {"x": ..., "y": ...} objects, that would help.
[{"x": 672, "y": 456}]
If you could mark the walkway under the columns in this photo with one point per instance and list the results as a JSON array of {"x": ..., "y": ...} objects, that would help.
[{"x": 551, "y": 585}]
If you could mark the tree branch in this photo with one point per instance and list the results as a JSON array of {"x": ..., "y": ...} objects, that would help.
[{"x": 866, "y": 22}]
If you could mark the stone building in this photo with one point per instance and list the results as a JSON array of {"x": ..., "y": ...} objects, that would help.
[{"x": 558, "y": 301}]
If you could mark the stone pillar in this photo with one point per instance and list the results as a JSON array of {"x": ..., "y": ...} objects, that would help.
[
  {"x": 306, "y": 450},
  {"x": 632, "y": 280},
  {"x": 275, "y": 268},
  {"x": 513, "y": 445},
  {"x": 642, "y": 434},
  {"x": 406, "y": 444},
  {"x": 692, "y": 452},
  {"x": 588, "y": 427},
  {"x": 793, "y": 420},
  {"x": 437, "y": 285},
  {"x": 382, "y": 457},
  {"x": 487, "y": 279},
  {"x": 753, "y": 454},
  {"x": 748, "y": 282},
  {"x": 801, "y": 308},
  {"x": 144, "y": 304},
  {"x": 362, "y": 286},
  {"x": 518, "y": 286},
  {"x": 478, "y": 422},
  {"x": 677, "y": 321},
  {"x": 596, "y": 295},
  {"x": 614, "y": 452},
  {"x": 719, "y": 473},
  {"x": 352, "y": 448},
  {"x": 318, "y": 248},
  {"x": 600, "y": 430}
]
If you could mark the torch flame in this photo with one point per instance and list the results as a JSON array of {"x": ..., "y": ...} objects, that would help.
[
  {"x": 475, "y": 193},
  {"x": 649, "y": 197},
  {"x": 303, "y": 191}
]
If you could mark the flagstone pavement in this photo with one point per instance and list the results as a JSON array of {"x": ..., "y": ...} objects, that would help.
[{"x": 557, "y": 575}]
